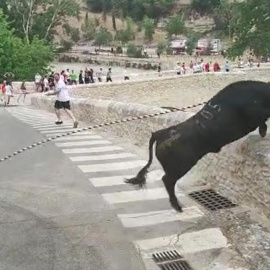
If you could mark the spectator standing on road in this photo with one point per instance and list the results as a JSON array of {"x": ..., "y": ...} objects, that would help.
[
  {"x": 191, "y": 64},
  {"x": 67, "y": 75},
  {"x": 2, "y": 90},
  {"x": 51, "y": 80},
  {"x": 9, "y": 77},
  {"x": 8, "y": 93},
  {"x": 109, "y": 75},
  {"x": 23, "y": 92},
  {"x": 216, "y": 67},
  {"x": 126, "y": 77},
  {"x": 81, "y": 77},
  {"x": 183, "y": 69},
  {"x": 91, "y": 75},
  {"x": 159, "y": 69},
  {"x": 46, "y": 83},
  {"x": 38, "y": 79},
  {"x": 207, "y": 67},
  {"x": 73, "y": 77},
  {"x": 227, "y": 67},
  {"x": 86, "y": 76},
  {"x": 178, "y": 68},
  {"x": 99, "y": 75},
  {"x": 62, "y": 101}
]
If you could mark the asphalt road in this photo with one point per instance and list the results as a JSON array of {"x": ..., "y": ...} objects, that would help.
[
  {"x": 64, "y": 205},
  {"x": 50, "y": 216}
]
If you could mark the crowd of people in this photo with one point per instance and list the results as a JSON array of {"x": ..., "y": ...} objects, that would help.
[
  {"x": 46, "y": 82},
  {"x": 202, "y": 66}
]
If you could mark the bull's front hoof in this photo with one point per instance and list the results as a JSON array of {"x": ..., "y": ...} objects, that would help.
[
  {"x": 176, "y": 206},
  {"x": 263, "y": 130}
]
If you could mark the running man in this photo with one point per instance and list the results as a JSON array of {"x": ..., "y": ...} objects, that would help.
[{"x": 62, "y": 101}]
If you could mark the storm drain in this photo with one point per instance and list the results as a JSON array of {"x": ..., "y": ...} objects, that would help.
[
  {"x": 170, "y": 260},
  {"x": 211, "y": 200}
]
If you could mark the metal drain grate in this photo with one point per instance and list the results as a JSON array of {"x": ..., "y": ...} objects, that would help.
[
  {"x": 211, "y": 200},
  {"x": 170, "y": 260}
]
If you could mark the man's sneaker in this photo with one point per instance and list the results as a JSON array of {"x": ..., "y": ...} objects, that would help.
[
  {"x": 59, "y": 122},
  {"x": 76, "y": 123}
]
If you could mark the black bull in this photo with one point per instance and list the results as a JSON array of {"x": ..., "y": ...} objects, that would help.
[{"x": 234, "y": 112}]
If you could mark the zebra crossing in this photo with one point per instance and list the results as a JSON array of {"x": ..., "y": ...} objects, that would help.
[{"x": 148, "y": 219}]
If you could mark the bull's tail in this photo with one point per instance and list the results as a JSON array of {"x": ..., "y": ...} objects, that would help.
[{"x": 140, "y": 179}]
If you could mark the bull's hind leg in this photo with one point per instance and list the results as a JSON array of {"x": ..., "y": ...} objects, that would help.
[
  {"x": 263, "y": 130},
  {"x": 169, "y": 183}
]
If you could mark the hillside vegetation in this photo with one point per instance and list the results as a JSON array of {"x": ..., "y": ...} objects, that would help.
[{"x": 29, "y": 29}]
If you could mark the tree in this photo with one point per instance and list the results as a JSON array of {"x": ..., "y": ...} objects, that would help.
[
  {"x": 192, "y": 39},
  {"x": 39, "y": 17},
  {"x": 133, "y": 51},
  {"x": 23, "y": 59},
  {"x": 175, "y": 25},
  {"x": 127, "y": 34},
  {"x": 136, "y": 9},
  {"x": 205, "y": 6},
  {"x": 24, "y": 11},
  {"x": 59, "y": 9},
  {"x": 75, "y": 34},
  {"x": 162, "y": 46},
  {"x": 250, "y": 25},
  {"x": 223, "y": 14},
  {"x": 102, "y": 37},
  {"x": 156, "y": 9},
  {"x": 149, "y": 28},
  {"x": 89, "y": 28}
]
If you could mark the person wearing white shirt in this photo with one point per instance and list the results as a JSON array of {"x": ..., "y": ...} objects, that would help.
[
  {"x": 46, "y": 84},
  {"x": 178, "y": 69},
  {"x": 38, "y": 81},
  {"x": 62, "y": 100}
]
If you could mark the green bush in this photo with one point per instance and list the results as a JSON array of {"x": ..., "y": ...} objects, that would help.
[
  {"x": 66, "y": 45},
  {"x": 133, "y": 51},
  {"x": 149, "y": 28},
  {"x": 75, "y": 34},
  {"x": 162, "y": 46},
  {"x": 175, "y": 25},
  {"x": 102, "y": 37},
  {"x": 119, "y": 49}
]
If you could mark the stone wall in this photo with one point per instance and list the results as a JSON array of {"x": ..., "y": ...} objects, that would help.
[
  {"x": 241, "y": 170},
  {"x": 172, "y": 91},
  {"x": 140, "y": 63}
]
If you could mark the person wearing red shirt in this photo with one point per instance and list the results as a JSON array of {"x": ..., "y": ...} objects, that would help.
[
  {"x": 2, "y": 88},
  {"x": 216, "y": 67}
]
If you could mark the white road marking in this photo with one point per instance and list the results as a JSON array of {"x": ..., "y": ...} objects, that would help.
[
  {"x": 77, "y": 138},
  {"x": 159, "y": 217},
  {"x": 186, "y": 243},
  {"x": 83, "y": 143},
  {"x": 112, "y": 166},
  {"x": 137, "y": 195},
  {"x": 58, "y": 131},
  {"x": 102, "y": 157},
  {"x": 153, "y": 176},
  {"x": 55, "y": 127},
  {"x": 101, "y": 149}
]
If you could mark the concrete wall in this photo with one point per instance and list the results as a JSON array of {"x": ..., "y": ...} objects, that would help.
[{"x": 241, "y": 170}]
